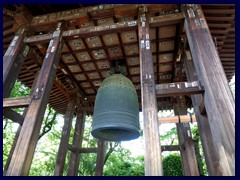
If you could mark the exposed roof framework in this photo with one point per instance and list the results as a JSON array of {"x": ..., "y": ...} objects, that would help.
[{"x": 101, "y": 34}]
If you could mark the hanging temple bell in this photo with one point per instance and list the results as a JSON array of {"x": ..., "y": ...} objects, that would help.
[{"x": 116, "y": 110}]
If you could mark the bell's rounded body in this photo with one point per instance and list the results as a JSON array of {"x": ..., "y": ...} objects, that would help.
[{"x": 116, "y": 110}]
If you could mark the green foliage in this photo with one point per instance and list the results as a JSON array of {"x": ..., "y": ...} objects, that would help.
[
  {"x": 10, "y": 128},
  {"x": 172, "y": 165},
  {"x": 8, "y": 137},
  {"x": 199, "y": 155},
  {"x": 120, "y": 163},
  {"x": 19, "y": 90},
  {"x": 171, "y": 136},
  {"x": 46, "y": 152},
  {"x": 87, "y": 166}
]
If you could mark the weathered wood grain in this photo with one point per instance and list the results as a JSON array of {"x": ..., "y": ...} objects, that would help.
[
  {"x": 16, "y": 102},
  {"x": 100, "y": 157},
  {"x": 77, "y": 142},
  {"x": 218, "y": 99},
  {"x": 175, "y": 119},
  {"x": 62, "y": 151},
  {"x": 208, "y": 143},
  {"x": 179, "y": 88},
  {"x": 152, "y": 156},
  {"x": 13, "y": 60},
  {"x": 105, "y": 29},
  {"x": 28, "y": 137},
  {"x": 189, "y": 161}
]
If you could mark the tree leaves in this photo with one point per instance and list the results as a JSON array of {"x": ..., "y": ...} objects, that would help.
[{"x": 172, "y": 165}]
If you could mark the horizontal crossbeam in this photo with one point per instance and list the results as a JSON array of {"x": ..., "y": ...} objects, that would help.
[
  {"x": 171, "y": 148},
  {"x": 179, "y": 88},
  {"x": 105, "y": 29},
  {"x": 176, "y": 119},
  {"x": 82, "y": 150},
  {"x": 16, "y": 102},
  {"x": 81, "y": 15}
]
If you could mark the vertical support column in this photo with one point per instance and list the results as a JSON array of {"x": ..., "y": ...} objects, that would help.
[
  {"x": 188, "y": 156},
  {"x": 28, "y": 137},
  {"x": 152, "y": 157},
  {"x": 100, "y": 157},
  {"x": 13, "y": 60},
  {"x": 77, "y": 142},
  {"x": 62, "y": 151},
  {"x": 18, "y": 130},
  {"x": 218, "y": 99},
  {"x": 208, "y": 143}
]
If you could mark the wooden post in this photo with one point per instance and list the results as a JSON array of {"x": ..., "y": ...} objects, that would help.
[
  {"x": 62, "y": 151},
  {"x": 100, "y": 157},
  {"x": 218, "y": 99},
  {"x": 13, "y": 60},
  {"x": 208, "y": 143},
  {"x": 152, "y": 156},
  {"x": 28, "y": 137},
  {"x": 188, "y": 156},
  {"x": 19, "y": 119},
  {"x": 77, "y": 142}
]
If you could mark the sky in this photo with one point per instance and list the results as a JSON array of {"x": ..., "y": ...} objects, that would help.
[{"x": 137, "y": 146}]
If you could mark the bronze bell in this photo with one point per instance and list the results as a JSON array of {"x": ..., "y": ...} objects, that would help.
[{"x": 116, "y": 110}]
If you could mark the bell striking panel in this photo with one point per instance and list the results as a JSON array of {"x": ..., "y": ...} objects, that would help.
[{"x": 116, "y": 110}]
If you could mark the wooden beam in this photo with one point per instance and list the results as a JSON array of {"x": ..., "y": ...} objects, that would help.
[
  {"x": 175, "y": 119},
  {"x": 100, "y": 157},
  {"x": 20, "y": 119},
  {"x": 179, "y": 88},
  {"x": 16, "y": 102},
  {"x": 62, "y": 151},
  {"x": 202, "y": 108},
  {"x": 208, "y": 143},
  {"x": 13, "y": 60},
  {"x": 82, "y": 150},
  {"x": 34, "y": 55},
  {"x": 77, "y": 143},
  {"x": 79, "y": 16},
  {"x": 218, "y": 99},
  {"x": 189, "y": 161},
  {"x": 153, "y": 162},
  {"x": 171, "y": 148},
  {"x": 28, "y": 137},
  {"x": 105, "y": 29},
  {"x": 13, "y": 115},
  {"x": 132, "y": 9}
]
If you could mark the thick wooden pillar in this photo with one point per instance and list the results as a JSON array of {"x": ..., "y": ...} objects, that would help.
[
  {"x": 100, "y": 157},
  {"x": 218, "y": 99},
  {"x": 77, "y": 143},
  {"x": 13, "y": 60},
  {"x": 188, "y": 156},
  {"x": 152, "y": 156},
  {"x": 208, "y": 143},
  {"x": 62, "y": 151},
  {"x": 28, "y": 137}
]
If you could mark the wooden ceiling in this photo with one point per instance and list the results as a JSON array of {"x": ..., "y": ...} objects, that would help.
[{"x": 88, "y": 56}]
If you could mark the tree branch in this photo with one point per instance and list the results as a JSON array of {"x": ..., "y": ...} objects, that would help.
[
  {"x": 48, "y": 126},
  {"x": 112, "y": 148}
]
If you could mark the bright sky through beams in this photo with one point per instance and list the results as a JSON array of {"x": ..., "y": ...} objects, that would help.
[{"x": 137, "y": 146}]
